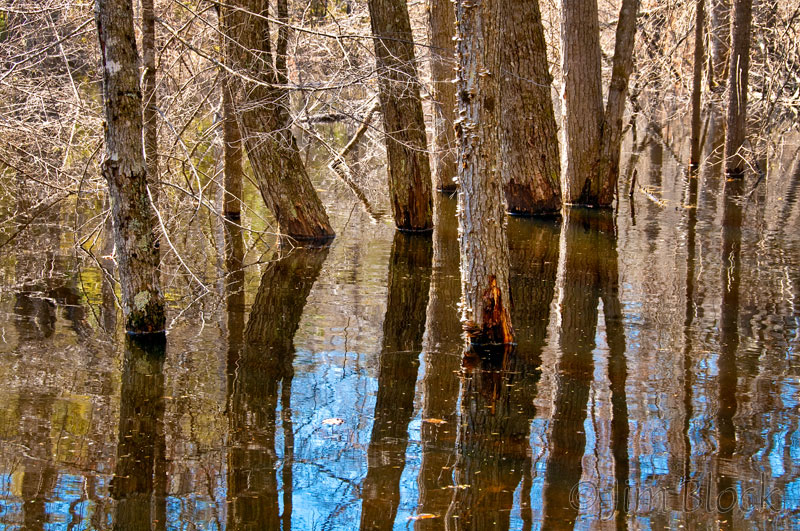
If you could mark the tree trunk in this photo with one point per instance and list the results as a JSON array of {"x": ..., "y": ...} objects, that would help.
[
  {"x": 529, "y": 135},
  {"x": 233, "y": 174},
  {"x": 611, "y": 134},
  {"x": 582, "y": 101},
  {"x": 441, "y": 25},
  {"x": 403, "y": 328},
  {"x": 720, "y": 33},
  {"x": 486, "y": 300},
  {"x": 697, "y": 81},
  {"x": 149, "y": 95},
  {"x": 125, "y": 172},
  {"x": 264, "y": 121},
  {"x": 736, "y": 122},
  {"x": 403, "y": 121}
]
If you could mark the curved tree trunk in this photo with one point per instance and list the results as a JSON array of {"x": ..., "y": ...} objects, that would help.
[
  {"x": 611, "y": 134},
  {"x": 441, "y": 25},
  {"x": 736, "y": 122},
  {"x": 486, "y": 300},
  {"x": 582, "y": 101},
  {"x": 529, "y": 134},
  {"x": 264, "y": 121},
  {"x": 125, "y": 172},
  {"x": 403, "y": 121}
]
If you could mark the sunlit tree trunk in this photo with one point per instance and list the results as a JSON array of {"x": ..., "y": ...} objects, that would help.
[
  {"x": 403, "y": 122},
  {"x": 611, "y": 134},
  {"x": 736, "y": 122},
  {"x": 441, "y": 26},
  {"x": 582, "y": 104},
  {"x": 528, "y": 135},
  {"x": 263, "y": 114},
  {"x": 697, "y": 80},
  {"x": 720, "y": 34},
  {"x": 125, "y": 171},
  {"x": 486, "y": 300}
]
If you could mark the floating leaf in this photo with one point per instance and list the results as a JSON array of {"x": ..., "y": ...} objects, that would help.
[
  {"x": 333, "y": 421},
  {"x": 424, "y": 516},
  {"x": 435, "y": 421}
]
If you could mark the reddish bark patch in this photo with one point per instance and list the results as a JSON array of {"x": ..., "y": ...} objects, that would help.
[{"x": 496, "y": 327}]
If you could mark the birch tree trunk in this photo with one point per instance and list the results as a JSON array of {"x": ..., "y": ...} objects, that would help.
[
  {"x": 697, "y": 80},
  {"x": 611, "y": 134},
  {"x": 582, "y": 104},
  {"x": 403, "y": 121},
  {"x": 485, "y": 291},
  {"x": 125, "y": 172},
  {"x": 264, "y": 122},
  {"x": 441, "y": 27},
  {"x": 736, "y": 121},
  {"x": 529, "y": 135}
]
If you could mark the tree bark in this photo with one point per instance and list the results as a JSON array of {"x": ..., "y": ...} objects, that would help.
[
  {"x": 720, "y": 33},
  {"x": 529, "y": 134},
  {"x": 403, "y": 122},
  {"x": 149, "y": 95},
  {"x": 263, "y": 116},
  {"x": 125, "y": 171},
  {"x": 486, "y": 300},
  {"x": 697, "y": 81},
  {"x": 736, "y": 122},
  {"x": 233, "y": 174},
  {"x": 582, "y": 101},
  {"x": 611, "y": 133},
  {"x": 403, "y": 328},
  {"x": 441, "y": 27}
]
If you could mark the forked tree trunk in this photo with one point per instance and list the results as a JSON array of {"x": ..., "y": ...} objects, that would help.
[
  {"x": 720, "y": 34},
  {"x": 263, "y": 116},
  {"x": 736, "y": 122},
  {"x": 441, "y": 27},
  {"x": 125, "y": 172},
  {"x": 486, "y": 301},
  {"x": 697, "y": 80},
  {"x": 529, "y": 135},
  {"x": 582, "y": 101},
  {"x": 149, "y": 94},
  {"x": 611, "y": 134},
  {"x": 403, "y": 121}
]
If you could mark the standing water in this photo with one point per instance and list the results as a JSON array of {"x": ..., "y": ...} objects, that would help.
[{"x": 655, "y": 382}]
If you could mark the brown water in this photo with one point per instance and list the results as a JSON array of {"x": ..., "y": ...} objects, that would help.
[{"x": 657, "y": 360}]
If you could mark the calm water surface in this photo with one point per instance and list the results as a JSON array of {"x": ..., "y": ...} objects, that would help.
[{"x": 655, "y": 383}]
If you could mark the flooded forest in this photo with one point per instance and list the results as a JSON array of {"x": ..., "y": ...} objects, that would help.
[{"x": 389, "y": 264}]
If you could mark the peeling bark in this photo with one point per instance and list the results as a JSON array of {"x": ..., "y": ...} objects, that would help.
[
  {"x": 403, "y": 122},
  {"x": 125, "y": 171}
]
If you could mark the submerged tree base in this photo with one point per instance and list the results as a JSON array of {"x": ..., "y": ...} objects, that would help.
[{"x": 496, "y": 329}]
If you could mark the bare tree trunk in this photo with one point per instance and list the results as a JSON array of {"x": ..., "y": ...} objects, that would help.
[
  {"x": 529, "y": 135},
  {"x": 149, "y": 95},
  {"x": 233, "y": 174},
  {"x": 486, "y": 300},
  {"x": 611, "y": 134},
  {"x": 736, "y": 122},
  {"x": 403, "y": 121},
  {"x": 125, "y": 172},
  {"x": 720, "y": 42},
  {"x": 441, "y": 25},
  {"x": 264, "y": 121},
  {"x": 697, "y": 80},
  {"x": 582, "y": 101}
]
